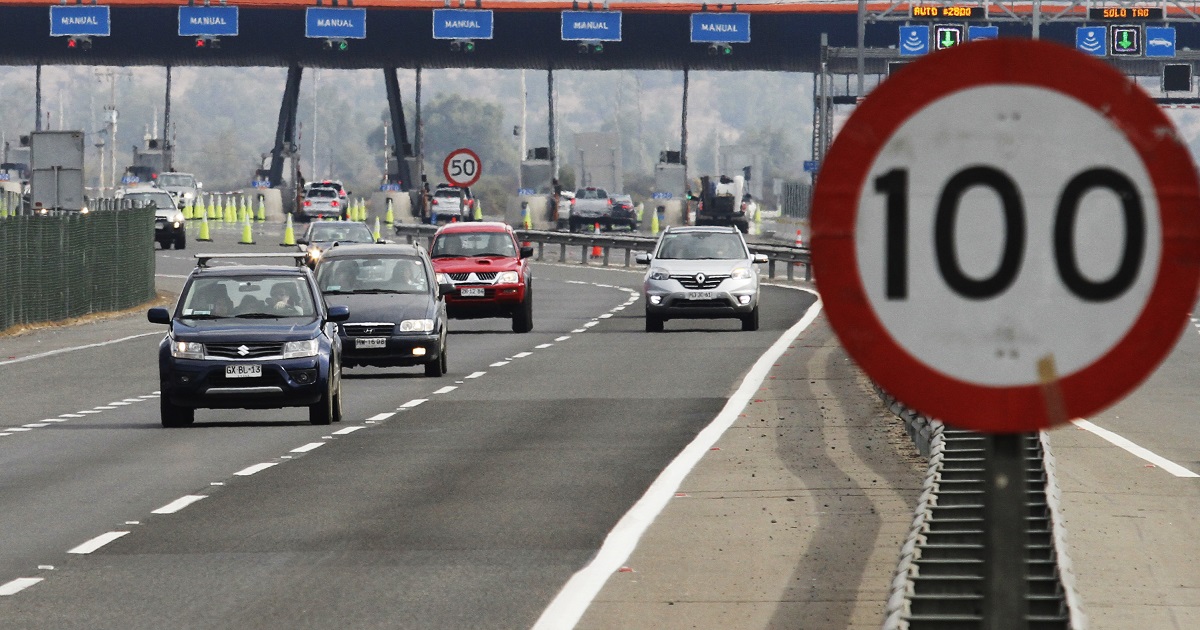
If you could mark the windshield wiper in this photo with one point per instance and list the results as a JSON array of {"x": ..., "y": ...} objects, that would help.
[
  {"x": 491, "y": 254},
  {"x": 373, "y": 291},
  {"x": 204, "y": 316},
  {"x": 261, "y": 316},
  {"x": 447, "y": 256}
]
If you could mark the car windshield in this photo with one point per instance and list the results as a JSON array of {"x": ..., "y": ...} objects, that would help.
[
  {"x": 345, "y": 233},
  {"x": 247, "y": 297},
  {"x": 158, "y": 199},
  {"x": 591, "y": 193},
  {"x": 176, "y": 179},
  {"x": 701, "y": 246},
  {"x": 448, "y": 192},
  {"x": 376, "y": 274},
  {"x": 322, "y": 193},
  {"x": 473, "y": 244}
]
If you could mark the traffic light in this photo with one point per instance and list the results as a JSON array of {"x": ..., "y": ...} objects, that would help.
[
  {"x": 462, "y": 45},
  {"x": 208, "y": 42},
  {"x": 723, "y": 50},
  {"x": 79, "y": 43},
  {"x": 339, "y": 45},
  {"x": 590, "y": 47}
]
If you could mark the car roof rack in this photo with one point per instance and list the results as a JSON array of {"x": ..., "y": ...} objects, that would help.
[{"x": 202, "y": 259}]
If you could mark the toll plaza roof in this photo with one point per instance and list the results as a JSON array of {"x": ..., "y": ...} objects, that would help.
[{"x": 400, "y": 33}]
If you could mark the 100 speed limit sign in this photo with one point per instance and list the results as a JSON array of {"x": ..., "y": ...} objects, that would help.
[
  {"x": 462, "y": 167},
  {"x": 1005, "y": 235}
]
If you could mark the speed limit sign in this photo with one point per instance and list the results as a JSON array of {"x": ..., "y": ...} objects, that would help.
[
  {"x": 1006, "y": 235},
  {"x": 462, "y": 167}
]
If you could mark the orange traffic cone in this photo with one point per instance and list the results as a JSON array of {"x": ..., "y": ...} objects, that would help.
[
  {"x": 799, "y": 243},
  {"x": 596, "y": 248}
]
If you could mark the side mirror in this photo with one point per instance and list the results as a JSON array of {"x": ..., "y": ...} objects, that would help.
[
  {"x": 302, "y": 241},
  {"x": 526, "y": 251},
  {"x": 338, "y": 313},
  {"x": 761, "y": 258},
  {"x": 642, "y": 258},
  {"x": 445, "y": 288},
  {"x": 158, "y": 315}
]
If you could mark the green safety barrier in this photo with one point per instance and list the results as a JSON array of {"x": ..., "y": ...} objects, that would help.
[{"x": 58, "y": 266}]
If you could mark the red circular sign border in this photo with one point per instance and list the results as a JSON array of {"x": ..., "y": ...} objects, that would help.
[
  {"x": 1013, "y": 62},
  {"x": 446, "y": 167}
]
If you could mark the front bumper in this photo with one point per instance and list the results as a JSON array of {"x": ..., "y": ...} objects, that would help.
[
  {"x": 670, "y": 300},
  {"x": 168, "y": 230},
  {"x": 203, "y": 384},
  {"x": 398, "y": 351}
]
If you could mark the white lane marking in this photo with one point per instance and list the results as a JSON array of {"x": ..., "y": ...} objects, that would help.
[
  {"x": 132, "y": 400},
  {"x": 148, "y": 396},
  {"x": 54, "y": 420},
  {"x": 179, "y": 504},
  {"x": 563, "y": 338},
  {"x": 16, "y": 586},
  {"x": 70, "y": 415},
  {"x": 382, "y": 416},
  {"x": 577, "y": 594},
  {"x": 576, "y": 282},
  {"x": 447, "y": 389},
  {"x": 605, "y": 315},
  {"x": 97, "y": 542},
  {"x": 88, "y": 411},
  {"x": 619, "y": 308},
  {"x": 475, "y": 374},
  {"x": 307, "y": 447},
  {"x": 1153, "y": 458},
  {"x": 4, "y": 434},
  {"x": 246, "y": 472},
  {"x": 21, "y": 429},
  {"x": 51, "y": 353},
  {"x": 119, "y": 403},
  {"x": 579, "y": 330},
  {"x": 413, "y": 403},
  {"x": 543, "y": 346},
  {"x": 349, "y": 430},
  {"x": 36, "y": 425},
  {"x": 521, "y": 355},
  {"x": 103, "y": 407},
  {"x": 499, "y": 364}
]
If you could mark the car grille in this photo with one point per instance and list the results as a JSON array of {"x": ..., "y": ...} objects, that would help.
[
  {"x": 699, "y": 303},
  {"x": 690, "y": 282},
  {"x": 253, "y": 350},
  {"x": 475, "y": 277},
  {"x": 368, "y": 330}
]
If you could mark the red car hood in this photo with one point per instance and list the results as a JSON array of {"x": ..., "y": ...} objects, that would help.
[{"x": 467, "y": 265}]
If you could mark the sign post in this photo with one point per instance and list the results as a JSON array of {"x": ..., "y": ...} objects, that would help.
[{"x": 462, "y": 167}]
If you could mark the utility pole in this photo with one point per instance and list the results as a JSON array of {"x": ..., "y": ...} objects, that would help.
[{"x": 110, "y": 120}]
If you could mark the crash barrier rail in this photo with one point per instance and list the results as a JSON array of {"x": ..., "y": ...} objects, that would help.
[
  {"x": 789, "y": 257},
  {"x": 61, "y": 264},
  {"x": 940, "y": 579}
]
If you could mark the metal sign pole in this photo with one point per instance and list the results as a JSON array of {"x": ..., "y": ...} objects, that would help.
[{"x": 1006, "y": 533}]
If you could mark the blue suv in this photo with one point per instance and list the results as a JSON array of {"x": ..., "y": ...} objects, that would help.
[{"x": 250, "y": 337}]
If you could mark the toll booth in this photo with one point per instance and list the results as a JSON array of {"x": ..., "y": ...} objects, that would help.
[{"x": 670, "y": 191}]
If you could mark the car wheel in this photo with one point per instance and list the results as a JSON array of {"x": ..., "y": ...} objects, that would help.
[
  {"x": 654, "y": 323},
  {"x": 321, "y": 412},
  {"x": 750, "y": 320},
  {"x": 437, "y": 368},
  {"x": 181, "y": 242},
  {"x": 174, "y": 416},
  {"x": 523, "y": 318},
  {"x": 337, "y": 404}
]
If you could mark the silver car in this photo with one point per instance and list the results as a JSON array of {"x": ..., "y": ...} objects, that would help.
[{"x": 701, "y": 272}]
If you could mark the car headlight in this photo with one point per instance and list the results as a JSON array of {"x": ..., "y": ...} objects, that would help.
[
  {"x": 441, "y": 278},
  {"x": 658, "y": 273},
  {"x": 740, "y": 272},
  {"x": 507, "y": 277},
  {"x": 313, "y": 252},
  {"x": 416, "y": 325},
  {"x": 187, "y": 195},
  {"x": 187, "y": 350},
  {"x": 300, "y": 349},
  {"x": 177, "y": 219}
]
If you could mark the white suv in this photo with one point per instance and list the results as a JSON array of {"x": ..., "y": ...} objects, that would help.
[{"x": 701, "y": 272}]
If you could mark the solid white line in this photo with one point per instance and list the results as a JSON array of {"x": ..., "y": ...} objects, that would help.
[
  {"x": 1157, "y": 460},
  {"x": 307, "y": 447},
  {"x": 246, "y": 472},
  {"x": 74, "y": 348},
  {"x": 413, "y": 403},
  {"x": 521, "y": 355},
  {"x": 569, "y": 605},
  {"x": 563, "y": 338},
  {"x": 543, "y": 346},
  {"x": 447, "y": 389},
  {"x": 97, "y": 542},
  {"x": 499, "y": 364},
  {"x": 18, "y": 585},
  {"x": 382, "y": 416},
  {"x": 348, "y": 430},
  {"x": 179, "y": 504},
  {"x": 475, "y": 374}
]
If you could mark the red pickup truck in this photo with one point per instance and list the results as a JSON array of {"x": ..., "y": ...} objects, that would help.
[{"x": 488, "y": 269}]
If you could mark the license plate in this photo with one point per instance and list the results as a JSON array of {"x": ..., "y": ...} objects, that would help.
[
  {"x": 701, "y": 295},
  {"x": 158, "y": 225},
  {"x": 471, "y": 291},
  {"x": 371, "y": 342},
  {"x": 243, "y": 370}
]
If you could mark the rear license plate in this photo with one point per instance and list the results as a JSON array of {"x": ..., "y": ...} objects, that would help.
[
  {"x": 471, "y": 291},
  {"x": 158, "y": 225},
  {"x": 243, "y": 370},
  {"x": 701, "y": 295},
  {"x": 371, "y": 342}
]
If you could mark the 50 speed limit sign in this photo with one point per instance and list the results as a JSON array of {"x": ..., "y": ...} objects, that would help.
[
  {"x": 462, "y": 167},
  {"x": 1006, "y": 235}
]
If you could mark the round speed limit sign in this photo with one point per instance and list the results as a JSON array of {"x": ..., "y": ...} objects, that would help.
[
  {"x": 1006, "y": 235},
  {"x": 462, "y": 167}
]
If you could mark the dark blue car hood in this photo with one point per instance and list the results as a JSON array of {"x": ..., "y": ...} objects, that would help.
[
  {"x": 242, "y": 330},
  {"x": 385, "y": 307}
]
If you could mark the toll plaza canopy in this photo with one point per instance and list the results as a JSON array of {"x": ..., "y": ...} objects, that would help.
[{"x": 476, "y": 33}]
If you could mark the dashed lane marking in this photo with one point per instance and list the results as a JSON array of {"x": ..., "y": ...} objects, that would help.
[
  {"x": 96, "y": 543},
  {"x": 475, "y": 374},
  {"x": 349, "y": 430},
  {"x": 179, "y": 504},
  {"x": 381, "y": 416},
  {"x": 246, "y": 472},
  {"x": 307, "y": 447},
  {"x": 447, "y": 389},
  {"x": 16, "y": 586}
]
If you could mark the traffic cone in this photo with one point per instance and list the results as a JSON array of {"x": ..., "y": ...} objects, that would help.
[
  {"x": 187, "y": 211},
  {"x": 289, "y": 234},
  {"x": 212, "y": 210},
  {"x": 526, "y": 220},
  {"x": 362, "y": 205},
  {"x": 799, "y": 243},
  {"x": 390, "y": 216},
  {"x": 230, "y": 210},
  {"x": 477, "y": 213},
  {"x": 262, "y": 209},
  {"x": 247, "y": 233},
  {"x": 3, "y": 206},
  {"x": 204, "y": 237},
  {"x": 654, "y": 222},
  {"x": 375, "y": 234},
  {"x": 596, "y": 253}
]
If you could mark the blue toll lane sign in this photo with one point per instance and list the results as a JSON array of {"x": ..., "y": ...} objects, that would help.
[
  {"x": 79, "y": 20},
  {"x": 914, "y": 40},
  {"x": 600, "y": 26},
  {"x": 721, "y": 28},
  {"x": 980, "y": 33},
  {"x": 208, "y": 21},
  {"x": 1092, "y": 40},
  {"x": 462, "y": 24},
  {"x": 1160, "y": 41},
  {"x": 335, "y": 23}
]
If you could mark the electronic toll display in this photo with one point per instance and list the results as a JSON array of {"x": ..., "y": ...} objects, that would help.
[
  {"x": 1126, "y": 13},
  {"x": 956, "y": 12}
]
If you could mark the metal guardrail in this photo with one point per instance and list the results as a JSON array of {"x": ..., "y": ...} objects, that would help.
[
  {"x": 790, "y": 257},
  {"x": 940, "y": 578}
]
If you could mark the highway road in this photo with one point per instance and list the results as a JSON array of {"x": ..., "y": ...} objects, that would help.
[{"x": 465, "y": 501}]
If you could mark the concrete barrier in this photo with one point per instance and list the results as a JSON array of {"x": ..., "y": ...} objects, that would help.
[
  {"x": 272, "y": 197},
  {"x": 539, "y": 212},
  {"x": 401, "y": 206}
]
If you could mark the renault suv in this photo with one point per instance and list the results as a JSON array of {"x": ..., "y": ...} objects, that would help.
[
  {"x": 701, "y": 272},
  {"x": 250, "y": 337}
]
